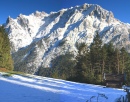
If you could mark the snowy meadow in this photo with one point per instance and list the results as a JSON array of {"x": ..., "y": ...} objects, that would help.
[{"x": 31, "y": 88}]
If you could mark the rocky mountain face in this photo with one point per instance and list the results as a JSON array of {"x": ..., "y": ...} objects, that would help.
[{"x": 40, "y": 37}]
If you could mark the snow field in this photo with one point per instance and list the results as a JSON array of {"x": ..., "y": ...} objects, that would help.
[{"x": 30, "y": 88}]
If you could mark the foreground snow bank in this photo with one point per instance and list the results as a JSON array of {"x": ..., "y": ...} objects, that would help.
[{"x": 41, "y": 89}]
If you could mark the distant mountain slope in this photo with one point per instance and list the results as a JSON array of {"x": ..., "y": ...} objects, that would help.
[
  {"x": 38, "y": 38},
  {"x": 30, "y": 88}
]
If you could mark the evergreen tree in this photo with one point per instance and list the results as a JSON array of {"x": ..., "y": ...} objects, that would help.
[
  {"x": 110, "y": 58},
  {"x": 95, "y": 53},
  {"x": 124, "y": 59},
  {"x": 117, "y": 61},
  {"x": 104, "y": 57},
  {"x": 81, "y": 66},
  {"x": 5, "y": 56},
  {"x": 63, "y": 66}
]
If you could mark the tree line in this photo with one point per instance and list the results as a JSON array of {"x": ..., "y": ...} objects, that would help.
[
  {"x": 90, "y": 63},
  {"x": 6, "y": 61}
]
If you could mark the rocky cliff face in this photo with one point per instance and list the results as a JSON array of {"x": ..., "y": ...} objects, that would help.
[{"x": 38, "y": 38}]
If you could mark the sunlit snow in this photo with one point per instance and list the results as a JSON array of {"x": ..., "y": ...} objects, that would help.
[{"x": 41, "y": 89}]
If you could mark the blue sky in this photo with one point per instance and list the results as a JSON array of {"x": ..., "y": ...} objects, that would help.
[{"x": 120, "y": 8}]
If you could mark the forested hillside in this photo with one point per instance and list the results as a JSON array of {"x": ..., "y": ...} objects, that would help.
[
  {"x": 6, "y": 62},
  {"x": 91, "y": 63}
]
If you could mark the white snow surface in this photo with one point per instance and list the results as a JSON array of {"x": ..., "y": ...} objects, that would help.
[{"x": 33, "y": 88}]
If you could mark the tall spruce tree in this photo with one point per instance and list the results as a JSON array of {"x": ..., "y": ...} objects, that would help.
[
  {"x": 117, "y": 61},
  {"x": 82, "y": 63},
  {"x": 110, "y": 58},
  {"x": 104, "y": 57},
  {"x": 95, "y": 53},
  {"x": 124, "y": 56}
]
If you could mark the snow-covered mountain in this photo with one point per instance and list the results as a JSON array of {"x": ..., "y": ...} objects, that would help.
[{"x": 40, "y": 37}]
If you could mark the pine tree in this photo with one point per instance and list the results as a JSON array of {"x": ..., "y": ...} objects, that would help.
[
  {"x": 117, "y": 60},
  {"x": 104, "y": 57},
  {"x": 124, "y": 59},
  {"x": 5, "y": 56},
  {"x": 63, "y": 66},
  {"x": 82, "y": 63},
  {"x": 110, "y": 62},
  {"x": 95, "y": 53}
]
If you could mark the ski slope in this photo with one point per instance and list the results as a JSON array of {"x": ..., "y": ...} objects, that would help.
[{"x": 32, "y": 88}]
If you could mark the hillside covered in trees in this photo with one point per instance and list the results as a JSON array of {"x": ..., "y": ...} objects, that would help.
[
  {"x": 6, "y": 62},
  {"x": 90, "y": 64}
]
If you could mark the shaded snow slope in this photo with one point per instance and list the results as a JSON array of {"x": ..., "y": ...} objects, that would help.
[
  {"x": 38, "y": 38},
  {"x": 41, "y": 89}
]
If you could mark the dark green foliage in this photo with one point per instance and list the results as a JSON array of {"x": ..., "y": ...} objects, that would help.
[
  {"x": 100, "y": 59},
  {"x": 7, "y": 75},
  {"x": 62, "y": 67},
  {"x": 82, "y": 62},
  {"x": 95, "y": 53},
  {"x": 5, "y": 56}
]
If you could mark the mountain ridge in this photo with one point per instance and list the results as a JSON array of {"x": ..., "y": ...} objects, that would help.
[{"x": 40, "y": 37}]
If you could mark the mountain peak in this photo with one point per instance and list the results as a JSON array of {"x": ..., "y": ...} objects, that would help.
[
  {"x": 9, "y": 19},
  {"x": 40, "y": 14}
]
